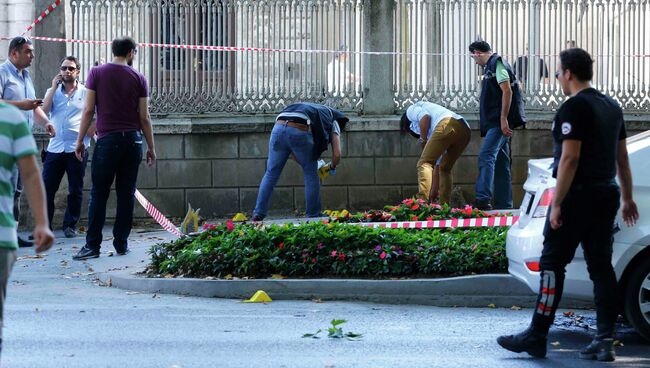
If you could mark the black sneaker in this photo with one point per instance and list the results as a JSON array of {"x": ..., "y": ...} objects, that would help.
[
  {"x": 22, "y": 243},
  {"x": 257, "y": 218},
  {"x": 602, "y": 350},
  {"x": 69, "y": 232},
  {"x": 86, "y": 253},
  {"x": 483, "y": 206},
  {"x": 532, "y": 343},
  {"x": 124, "y": 252}
]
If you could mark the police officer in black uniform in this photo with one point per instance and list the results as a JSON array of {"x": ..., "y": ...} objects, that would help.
[{"x": 590, "y": 149}]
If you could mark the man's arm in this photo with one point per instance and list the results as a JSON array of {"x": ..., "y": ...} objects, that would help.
[
  {"x": 628, "y": 209},
  {"x": 506, "y": 100},
  {"x": 86, "y": 119},
  {"x": 31, "y": 178},
  {"x": 147, "y": 129},
  {"x": 42, "y": 120},
  {"x": 425, "y": 125},
  {"x": 566, "y": 171},
  {"x": 336, "y": 150}
]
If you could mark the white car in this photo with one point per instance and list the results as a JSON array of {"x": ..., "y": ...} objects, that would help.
[{"x": 631, "y": 257}]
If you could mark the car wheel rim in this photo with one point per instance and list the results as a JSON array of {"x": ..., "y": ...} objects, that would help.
[{"x": 644, "y": 298}]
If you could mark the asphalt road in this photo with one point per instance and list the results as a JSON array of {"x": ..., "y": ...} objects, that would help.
[{"x": 57, "y": 315}]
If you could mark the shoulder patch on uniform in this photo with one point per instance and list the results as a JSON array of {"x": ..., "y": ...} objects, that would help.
[{"x": 566, "y": 128}]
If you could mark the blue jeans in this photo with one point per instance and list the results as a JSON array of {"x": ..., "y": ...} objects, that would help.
[
  {"x": 117, "y": 157},
  {"x": 284, "y": 141},
  {"x": 55, "y": 165},
  {"x": 494, "y": 170}
]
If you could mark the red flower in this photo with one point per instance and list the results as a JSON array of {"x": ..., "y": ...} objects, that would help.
[
  {"x": 429, "y": 218},
  {"x": 281, "y": 246},
  {"x": 382, "y": 255},
  {"x": 342, "y": 257},
  {"x": 230, "y": 226},
  {"x": 414, "y": 218},
  {"x": 313, "y": 260},
  {"x": 415, "y": 207},
  {"x": 333, "y": 253},
  {"x": 408, "y": 202}
]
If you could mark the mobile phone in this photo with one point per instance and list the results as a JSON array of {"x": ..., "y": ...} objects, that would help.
[{"x": 39, "y": 101}]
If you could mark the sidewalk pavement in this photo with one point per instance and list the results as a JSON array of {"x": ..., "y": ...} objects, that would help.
[{"x": 125, "y": 272}]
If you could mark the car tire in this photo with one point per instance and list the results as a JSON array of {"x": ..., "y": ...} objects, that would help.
[{"x": 637, "y": 292}]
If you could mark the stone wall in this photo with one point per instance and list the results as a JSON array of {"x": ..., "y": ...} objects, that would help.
[{"x": 217, "y": 163}]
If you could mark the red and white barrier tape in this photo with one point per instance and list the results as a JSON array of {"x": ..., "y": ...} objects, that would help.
[
  {"x": 44, "y": 14},
  {"x": 266, "y": 49},
  {"x": 159, "y": 217},
  {"x": 436, "y": 224}
]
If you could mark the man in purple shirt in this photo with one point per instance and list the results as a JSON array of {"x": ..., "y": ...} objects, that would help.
[{"x": 119, "y": 93}]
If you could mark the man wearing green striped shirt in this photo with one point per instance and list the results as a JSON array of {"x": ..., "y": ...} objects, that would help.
[{"x": 17, "y": 147}]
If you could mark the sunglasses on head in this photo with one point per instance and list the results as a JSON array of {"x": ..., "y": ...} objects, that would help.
[{"x": 68, "y": 68}]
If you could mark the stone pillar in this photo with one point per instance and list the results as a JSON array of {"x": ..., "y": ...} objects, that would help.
[
  {"x": 48, "y": 54},
  {"x": 378, "y": 35}
]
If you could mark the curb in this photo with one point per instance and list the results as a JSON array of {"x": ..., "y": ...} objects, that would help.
[{"x": 465, "y": 291}]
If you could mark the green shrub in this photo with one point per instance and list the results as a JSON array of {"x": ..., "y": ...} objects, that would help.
[{"x": 331, "y": 250}]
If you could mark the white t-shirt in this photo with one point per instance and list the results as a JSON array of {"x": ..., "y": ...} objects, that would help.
[{"x": 436, "y": 113}]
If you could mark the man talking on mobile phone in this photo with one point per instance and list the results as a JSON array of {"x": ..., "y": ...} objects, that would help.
[
  {"x": 17, "y": 88},
  {"x": 64, "y": 102}
]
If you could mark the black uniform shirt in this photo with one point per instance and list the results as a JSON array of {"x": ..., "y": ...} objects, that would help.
[{"x": 597, "y": 121}]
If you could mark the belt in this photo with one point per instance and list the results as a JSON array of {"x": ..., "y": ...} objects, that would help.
[{"x": 302, "y": 127}]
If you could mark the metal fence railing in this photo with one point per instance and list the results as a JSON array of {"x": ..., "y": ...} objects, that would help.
[{"x": 430, "y": 38}]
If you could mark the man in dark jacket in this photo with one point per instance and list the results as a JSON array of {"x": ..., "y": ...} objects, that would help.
[
  {"x": 501, "y": 110},
  {"x": 304, "y": 130}
]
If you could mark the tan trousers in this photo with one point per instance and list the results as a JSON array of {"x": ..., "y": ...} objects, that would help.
[{"x": 450, "y": 136}]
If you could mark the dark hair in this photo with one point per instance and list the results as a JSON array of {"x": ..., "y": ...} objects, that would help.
[
  {"x": 122, "y": 46},
  {"x": 18, "y": 42},
  {"x": 405, "y": 126},
  {"x": 579, "y": 62},
  {"x": 480, "y": 46},
  {"x": 73, "y": 59}
]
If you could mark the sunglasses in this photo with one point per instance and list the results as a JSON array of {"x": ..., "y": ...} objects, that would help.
[{"x": 68, "y": 68}]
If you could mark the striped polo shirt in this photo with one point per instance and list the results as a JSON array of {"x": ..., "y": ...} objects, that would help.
[{"x": 16, "y": 141}]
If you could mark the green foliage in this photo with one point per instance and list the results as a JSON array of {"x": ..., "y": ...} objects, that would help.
[
  {"x": 336, "y": 332},
  {"x": 319, "y": 249}
]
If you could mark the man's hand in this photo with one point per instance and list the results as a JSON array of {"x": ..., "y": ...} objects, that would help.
[
  {"x": 151, "y": 157},
  {"x": 556, "y": 217},
  {"x": 28, "y": 104},
  {"x": 630, "y": 212},
  {"x": 43, "y": 238},
  {"x": 505, "y": 128},
  {"x": 79, "y": 150},
  {"x": 58, "y": 79},
  {"x": 50, "y": 129}
]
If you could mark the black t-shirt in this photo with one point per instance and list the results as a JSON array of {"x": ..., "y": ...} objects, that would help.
[{"x": 597, "y": 121}]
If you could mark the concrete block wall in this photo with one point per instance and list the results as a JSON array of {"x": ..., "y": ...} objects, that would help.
[{"x": 217, "y": 163}]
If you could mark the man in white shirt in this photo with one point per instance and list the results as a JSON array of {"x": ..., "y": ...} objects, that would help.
[
  {"x": 64, "y": 103},
  {"x": 440, "y": 130}
]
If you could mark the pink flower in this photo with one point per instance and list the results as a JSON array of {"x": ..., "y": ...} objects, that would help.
[
  {"x": 414, "y": 218},
  {"x": 378, "y": 248},
  {"x": 382, "y": 255},
  {"x": 313, "y": 260},
  {"x": 408, "y": 202},
  {"x": 415, "y": 207},
  {"x": 333, "y": 253},
  {"x": 429, "y": 218},
  {"x": 342, "y": 257},
  {"x": 281, "y": 246},
  {"x": 230, "y": 226},
  {"x": 320, "y": 246}
]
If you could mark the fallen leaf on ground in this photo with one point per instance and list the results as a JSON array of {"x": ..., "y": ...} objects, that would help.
[
  {"x": 555, "y": 343},
  {"x": 317, "y": 300},
  {"x": 491, "y": 305},
  {"x": 515, "y": 307},
  {"x": 278, "y": 276}
]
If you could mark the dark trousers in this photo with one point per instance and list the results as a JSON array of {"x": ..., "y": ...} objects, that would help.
[
  {"x": 117, "y": 156},
  {"x": 588, "y": 214},
  {"x": 54, "y": 166}
]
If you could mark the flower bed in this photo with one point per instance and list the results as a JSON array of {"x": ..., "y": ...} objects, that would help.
[{"x": 331, "y": 250}]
